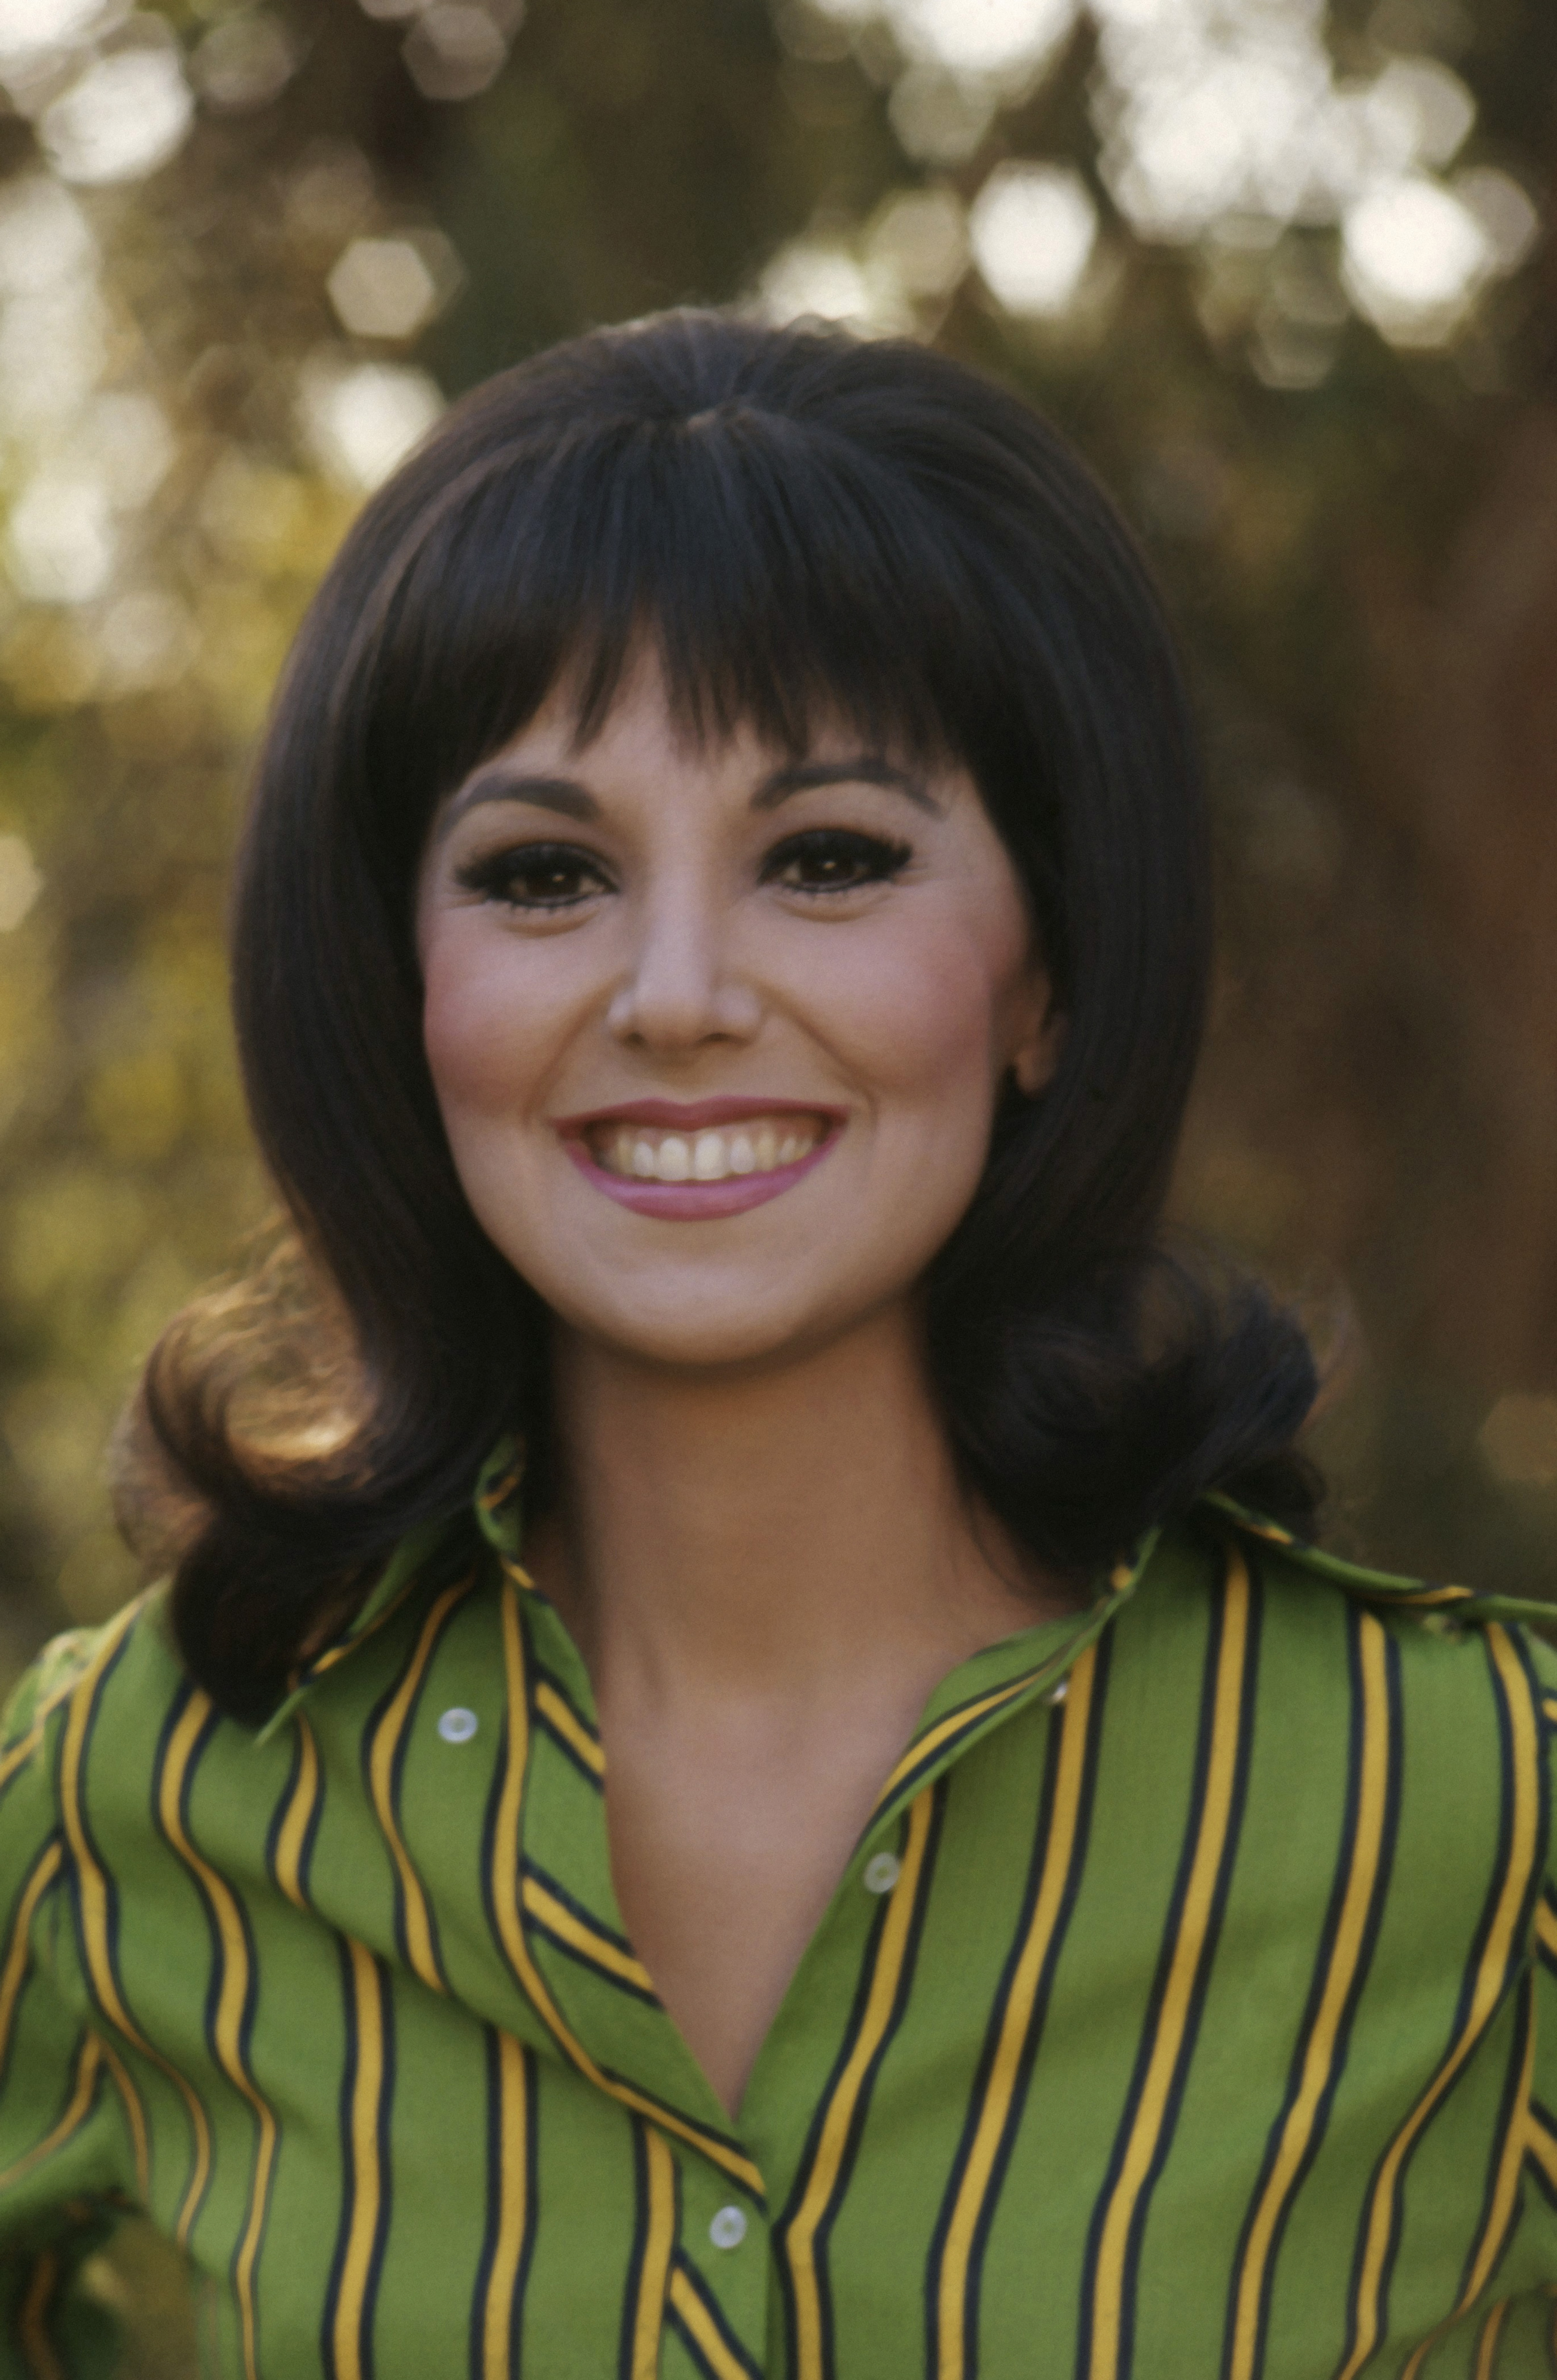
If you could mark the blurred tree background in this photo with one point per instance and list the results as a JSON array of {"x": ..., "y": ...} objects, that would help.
[{"x": 1281, "y": 268}]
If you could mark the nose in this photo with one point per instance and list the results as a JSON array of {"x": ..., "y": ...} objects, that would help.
[{"x": 682, "y": 985}]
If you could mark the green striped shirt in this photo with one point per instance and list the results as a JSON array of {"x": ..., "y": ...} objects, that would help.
[{"x": 1187, "y": 2010}]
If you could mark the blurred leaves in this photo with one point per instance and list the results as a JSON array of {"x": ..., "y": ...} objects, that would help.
[{"x": 246, "y": 251}]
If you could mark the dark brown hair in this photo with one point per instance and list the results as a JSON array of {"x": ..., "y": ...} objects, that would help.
[{"x": 804, "y": 522}]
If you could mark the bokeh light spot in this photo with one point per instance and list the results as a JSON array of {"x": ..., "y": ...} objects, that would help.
[
  {"x": 814, "y": 280},
  {"x": 391, "y": 289},
  {"x": 30, "y": 26},
  {"x": 938, "y": 118},
  {"x": 62, "y": 543},
  {"x": 124, "y": 116},
  {"x": 976, "y": 37},
  {"x": 244, "y": 63},
  {"x": 145, "y": 640},
  {"x": 1507, "y": 213},
  {"x": 20, "y": 882},
  {"x": 361, "y": 420},
  {"x": 454, "y": 51},
  {"x": 921, "y": 237},
  {"x": 1033, "y": 230},
  {"x": 1419, "y": 111},
  {"x": 1414, "y": 256},
  {"x": 43, "y": 237}
]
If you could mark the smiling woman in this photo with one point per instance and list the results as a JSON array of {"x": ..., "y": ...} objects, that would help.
[{"x": 923, "y": 1867}]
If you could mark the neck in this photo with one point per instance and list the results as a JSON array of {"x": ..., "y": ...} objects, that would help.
[{"x": 787, "y": 1536}]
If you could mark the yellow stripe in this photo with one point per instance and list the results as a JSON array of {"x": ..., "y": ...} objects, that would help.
[
  {"x": 1486, "y": 1991},
  {"x": 135, "y": 2115},
  {"x": 659, "y": 2248},
  {"x": 1500, "y": 2213},
  {"x": 1487, "y": 2346},
  {"x": 232, "y": 1991},
  {"x": 1550, "y": 1707},
  {"x": 1215, "y": 1817},
  {"x": 1318, "y": 2054},
  {"x": 505, "y": 1902},
  {"x": 952, "y": 2297},
  {"x": 597, "y": 1948},
  {"x": 936, "y": 1738},
  {"x": 311, "y": 1671},
  {"x": 366, "y": 2189},
  {"x": 292, "y": 1834},
  {"x": 43, "y": 2363},
  {"x": 1546, "y": 1926},
  {"x": 88, "y": 2063},
  {"x": 799, "y": 2242},
  {"x": 702, "y": 2325},
  {"x": 513, "y": 2209},
  {"x": 22, "y": 1750},
  {"x": 14, "y": 1968},
  {"x": 1541, "y": 2146},
  {"x": 381, "y": 1775},
  {"x": 92, "y": 1888},
  {"x": 501, "y": 1490},
  {"x": 560, "y": 1716}
]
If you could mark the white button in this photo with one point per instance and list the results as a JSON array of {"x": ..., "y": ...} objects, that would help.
[
  {"x": 729, "y": 2228},
  {"x": 882, "y": 1873},
  {"x": 457, "y": 1726},
  {"x": 1060, "y": 1690}
]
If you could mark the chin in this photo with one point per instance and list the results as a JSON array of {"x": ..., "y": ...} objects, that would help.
[{"x": 705, "y": 1333}]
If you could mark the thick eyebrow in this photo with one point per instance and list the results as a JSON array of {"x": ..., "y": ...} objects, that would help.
[
  {"x": 864, "y": 769},
  {"x": 568, "y": 798},
  {"x": 561, "y": 795}
]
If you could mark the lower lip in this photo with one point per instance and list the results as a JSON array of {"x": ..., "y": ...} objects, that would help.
[{"x": 697, "y": 1202}]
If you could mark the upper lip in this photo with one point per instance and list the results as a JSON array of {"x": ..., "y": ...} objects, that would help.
[{"x": 673, "y": 1116}]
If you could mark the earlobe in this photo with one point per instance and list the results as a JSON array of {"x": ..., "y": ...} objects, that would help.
[{"x": 1037, "y": 1054}]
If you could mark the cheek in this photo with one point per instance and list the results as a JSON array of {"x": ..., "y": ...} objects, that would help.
[
  {"x": 485, "y": 1040},
  {"x": 921, "y": 1014}
]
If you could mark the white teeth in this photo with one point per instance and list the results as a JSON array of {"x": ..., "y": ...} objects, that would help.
[{"x": 645, "y": 1155}]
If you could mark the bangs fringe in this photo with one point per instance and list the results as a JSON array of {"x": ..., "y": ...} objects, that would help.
[{"x": 780, "y": 575}]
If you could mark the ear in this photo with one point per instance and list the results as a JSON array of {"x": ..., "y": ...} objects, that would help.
[{"x": 1038, "y": 1036}]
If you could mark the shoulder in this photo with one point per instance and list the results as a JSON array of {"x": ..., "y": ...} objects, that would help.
[
  {"x": 1454, "y": 1685},
  {"x": 1352, "y": 1714},
  {"x": 1458, "y": 1668},
  {"x": 118, "y": 1680}
]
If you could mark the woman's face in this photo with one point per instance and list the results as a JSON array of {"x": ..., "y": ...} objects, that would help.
[{"x": 718, "y": 1037}]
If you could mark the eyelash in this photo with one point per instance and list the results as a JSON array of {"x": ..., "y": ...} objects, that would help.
[{"x": 869, "y": 860}]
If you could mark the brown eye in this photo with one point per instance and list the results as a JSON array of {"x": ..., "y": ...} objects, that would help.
[
  {"x": 834, "y": 859},
  {"x": 537, "y": 876}
]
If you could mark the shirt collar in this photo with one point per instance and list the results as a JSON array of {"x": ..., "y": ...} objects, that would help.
[
  {"x": 1003, "y": 1674},
  {"x": 398, "y": 1577}
]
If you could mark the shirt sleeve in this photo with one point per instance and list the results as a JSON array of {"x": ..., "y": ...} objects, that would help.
[
  {"x": 1541, "y": 2105},
  {"x": 65, "y": 2174}
]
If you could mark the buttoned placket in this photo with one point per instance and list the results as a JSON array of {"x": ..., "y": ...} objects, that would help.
[{"x": 591, "y": 2017}]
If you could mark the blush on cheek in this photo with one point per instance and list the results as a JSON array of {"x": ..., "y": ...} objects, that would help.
[
  {"x": 930, "y": 1019},
  {"x": 473, "y": 1053}
]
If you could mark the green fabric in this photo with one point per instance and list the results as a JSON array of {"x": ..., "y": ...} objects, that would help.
[{"x": 1206, "y": 2028}]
